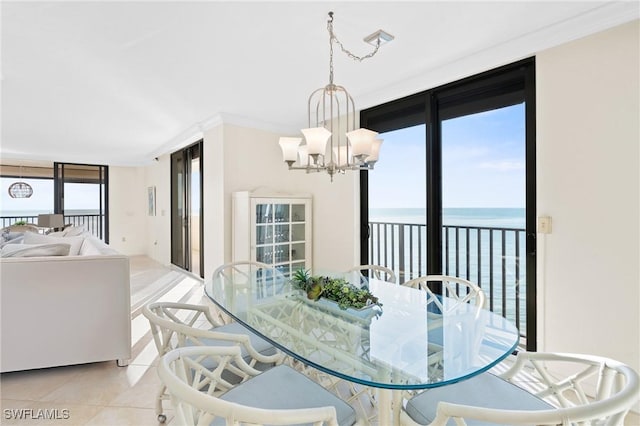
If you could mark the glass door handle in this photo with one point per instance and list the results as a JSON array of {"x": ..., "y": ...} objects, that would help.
[{"x": 531, "y": 243}]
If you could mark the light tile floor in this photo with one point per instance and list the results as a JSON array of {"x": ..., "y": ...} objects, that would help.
[{"x": 103, "y": 394}]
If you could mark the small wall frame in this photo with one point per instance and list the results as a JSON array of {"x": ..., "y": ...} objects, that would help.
[{"x": 151, "y": 199}]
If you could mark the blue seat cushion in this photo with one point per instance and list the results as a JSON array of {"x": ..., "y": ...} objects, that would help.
[
  {"x": 484, "y": 390},
  {"x": 258, "y": 343},
  {"x": 282, "y": 388}
]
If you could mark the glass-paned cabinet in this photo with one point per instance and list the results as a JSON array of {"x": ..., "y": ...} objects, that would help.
[{"x": 273, "y": 229}]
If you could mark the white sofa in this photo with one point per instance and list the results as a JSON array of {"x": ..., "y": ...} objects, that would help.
[{"x": 64, "y": 310}]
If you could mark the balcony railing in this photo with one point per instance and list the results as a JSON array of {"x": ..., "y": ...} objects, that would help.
[
  {"x": 491, "y": 257},
  {"x": 94, "y": 223}
]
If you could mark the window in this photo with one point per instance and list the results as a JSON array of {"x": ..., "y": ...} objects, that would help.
[{"x": 476, "y": 183}]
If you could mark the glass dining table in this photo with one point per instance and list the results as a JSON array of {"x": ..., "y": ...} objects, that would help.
[{"x": 404, "y": 344}]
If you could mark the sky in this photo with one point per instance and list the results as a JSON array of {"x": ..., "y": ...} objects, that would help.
[
  {"x": 78, "y": 196},
  {"x": 483, "y": 163}
]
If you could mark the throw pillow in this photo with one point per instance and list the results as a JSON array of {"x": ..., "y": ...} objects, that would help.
[
  {"x": 7, "y": 236},
  {"x": 74, "y": 242},
  {"x": 34, "y": 250},
  {"x": 16, "y": 240},
  {"x": 73, "y": 231},
  {"x": 89, "y": 249}
]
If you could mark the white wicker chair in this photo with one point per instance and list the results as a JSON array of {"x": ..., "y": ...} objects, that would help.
[
  {"x": 462, "y": 290},
  {"x": 265, "y": 279},
  {"x": 177, "y": 325},
  {"x": 459, "y": 291},
  {"x": 375, "y": 271},
  {"x": 236, "y": 272},
  {"x": 540, "y": 389},
  {"x": 278, "y": 396}
]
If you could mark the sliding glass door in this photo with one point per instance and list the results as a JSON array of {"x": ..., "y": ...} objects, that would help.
[
  {"x": 397, "y": 210},
  {"x": 186, "y": 209},
  {"x": 484, "y": 205},
  {"x": 81, "y": 194},
  {"x": 475, "y": 180}
]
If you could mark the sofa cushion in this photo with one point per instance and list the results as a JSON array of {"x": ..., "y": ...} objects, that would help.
[
  {"x": 35, "y": 250},
  {"x": 70, "y": 231},
  {"x": 74, "y": 231},
  {"x": 100, "y": 245},
  {"x": 56, "y": 234},
  {"x": 74, "y": 242}
]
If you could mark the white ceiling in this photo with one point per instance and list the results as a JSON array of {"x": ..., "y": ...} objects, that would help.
[{"x": 120, "y": 83}]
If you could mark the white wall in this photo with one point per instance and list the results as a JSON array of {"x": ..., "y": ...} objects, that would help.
[
  {"x": 158, "y": 227},
  {"x": 214, "y": 200},
  {"x": 131, "y": 230},
  {"x": 588, "y": 182},
  {"x": 127, "y": 210},
  {"x": 251, "y": 159}
]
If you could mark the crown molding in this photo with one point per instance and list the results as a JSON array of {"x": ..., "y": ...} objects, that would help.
[
  {"x": 196, "y": 131},
  {"x": 184, "y": 138},
  {"x": 598, "y": 19},
  {"x": 253, "y": 123}
]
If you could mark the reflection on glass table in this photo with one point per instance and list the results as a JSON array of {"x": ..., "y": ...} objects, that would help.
[{"x": 405, "y": 344}]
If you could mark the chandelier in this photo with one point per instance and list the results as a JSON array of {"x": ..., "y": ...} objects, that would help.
[
  {"x": 20, "y": 189},
  {"x": 332, "y": 114}
]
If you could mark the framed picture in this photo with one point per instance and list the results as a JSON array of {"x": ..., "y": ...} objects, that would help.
[{"x": 151, "y": 197}]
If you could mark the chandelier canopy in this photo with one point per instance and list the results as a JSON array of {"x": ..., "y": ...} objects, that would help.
[{"x": 332, "y": 141}]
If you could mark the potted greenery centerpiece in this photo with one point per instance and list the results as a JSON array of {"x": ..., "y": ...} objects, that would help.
[{"x": 338, "y": 290}]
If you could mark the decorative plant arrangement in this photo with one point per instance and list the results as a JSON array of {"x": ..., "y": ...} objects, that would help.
[{"x": 339, "y": 290}]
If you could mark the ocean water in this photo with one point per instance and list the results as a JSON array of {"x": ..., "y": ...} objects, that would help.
[{"x": 484, "y": 217}]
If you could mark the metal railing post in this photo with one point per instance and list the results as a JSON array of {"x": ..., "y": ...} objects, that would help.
[{"x": 384, "y": 246}]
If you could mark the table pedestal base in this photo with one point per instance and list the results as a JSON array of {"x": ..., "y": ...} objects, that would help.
[{"x": 389, "y": 406}]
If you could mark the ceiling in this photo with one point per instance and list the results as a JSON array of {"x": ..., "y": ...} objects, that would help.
[{"x": 120, "y": 83}]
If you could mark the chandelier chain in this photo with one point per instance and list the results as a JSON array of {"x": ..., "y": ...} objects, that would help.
[
  {"x": 331, "y": 38},
  {"x": 334, "y": 38}
]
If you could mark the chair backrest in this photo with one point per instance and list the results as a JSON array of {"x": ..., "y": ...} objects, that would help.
[
  {"x": 195, "y": 390},
  {"x": 176, "y": 325},
  {"x": 376, "y": 271},
  {"x": 565, "y": 381},
  {"x": 462, "y": 290},
  {"x": 237, "y": 270},
  {"x": 261, "y": 276}
]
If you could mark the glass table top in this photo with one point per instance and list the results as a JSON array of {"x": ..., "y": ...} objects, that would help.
[{"x": 404, "y": 344}]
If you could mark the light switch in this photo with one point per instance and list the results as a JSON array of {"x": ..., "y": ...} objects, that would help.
[{"x": 544, "y": 224}]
